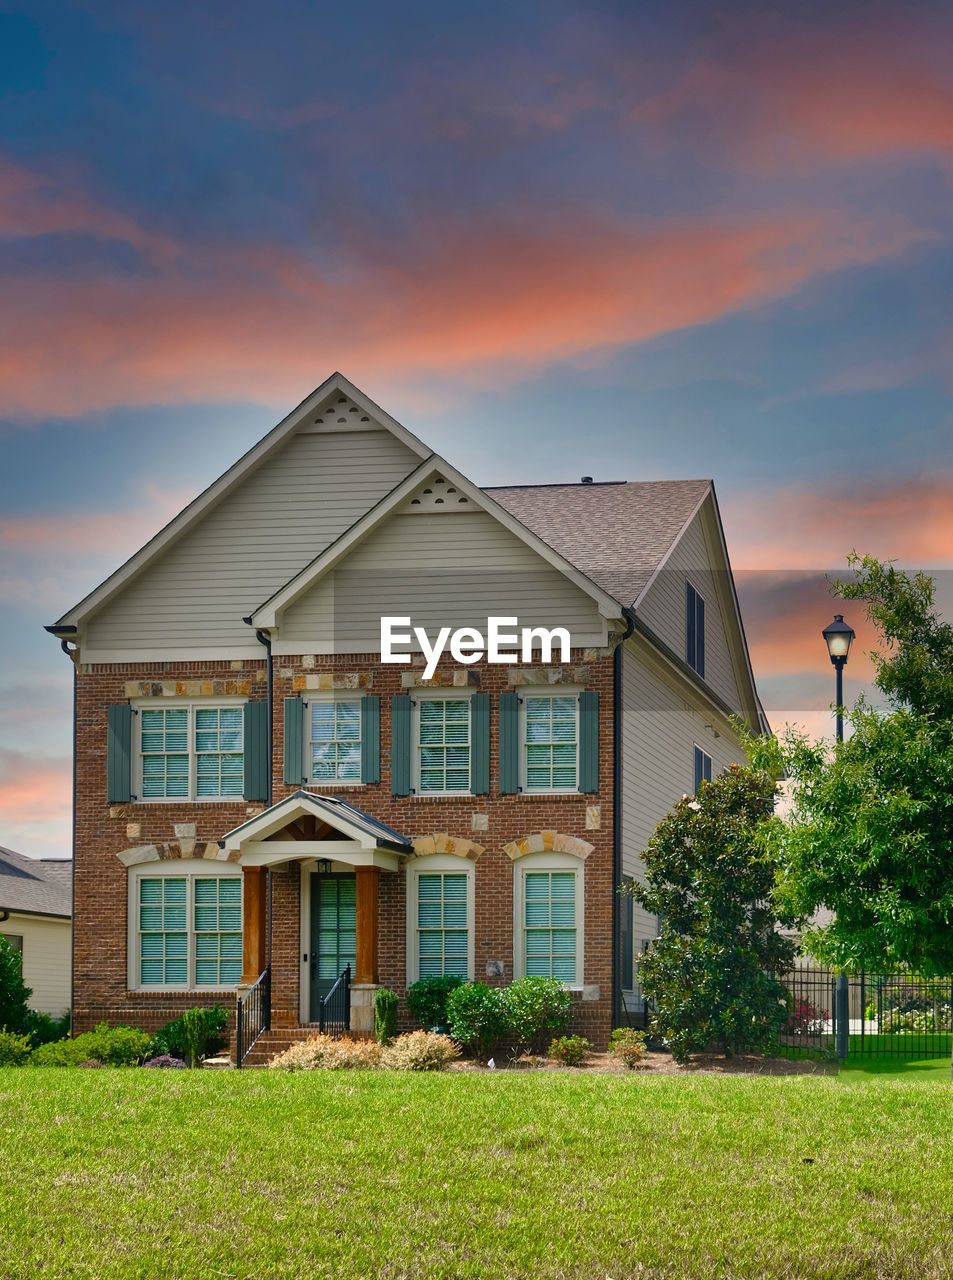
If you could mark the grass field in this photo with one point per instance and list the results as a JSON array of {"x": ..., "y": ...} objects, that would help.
[{"x": 162, "y": 1174}]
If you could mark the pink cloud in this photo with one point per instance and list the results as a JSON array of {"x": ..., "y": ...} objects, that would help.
[{"x": 35, "y": 804}]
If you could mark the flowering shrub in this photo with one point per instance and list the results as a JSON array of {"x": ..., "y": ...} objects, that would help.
[
  {"x": 805, "y": 1019},
  {"x": 324, "y": 1053},
  {"x": 164, "y": 1060},
  {"x": 916, "y": 1021},
  {"x": 628, "y": 1045},
  {"x": 570, "y": 1050},
  {"x": 419, "y": 1051},
  {"x": 14, "y": 1050}
]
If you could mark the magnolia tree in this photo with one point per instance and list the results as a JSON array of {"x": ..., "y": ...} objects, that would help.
[
  {"x": 870, "y": 832},
  {"x": 710, "y": 974}
]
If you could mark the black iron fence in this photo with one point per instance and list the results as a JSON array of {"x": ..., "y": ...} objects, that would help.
[
  {"x": 334, "y": 1012},
  {"x": 252, "y": 1017}
]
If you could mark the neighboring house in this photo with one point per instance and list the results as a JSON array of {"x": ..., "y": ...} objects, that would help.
[
  {"x": 35, "y": 918},
  {"x": 256, "y": 788}
]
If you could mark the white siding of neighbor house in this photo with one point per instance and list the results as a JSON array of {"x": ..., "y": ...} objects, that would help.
[
  {"x": 452, "y": 569},
  {"x": 661, "y": 726},
  {"x": 261, "y": 534},
  {"x": 47, "y": 959},
  {"x": 663, "y": 609}
]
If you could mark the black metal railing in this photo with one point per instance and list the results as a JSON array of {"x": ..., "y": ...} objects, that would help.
[
  {"x": 252, "y": 1017},
  {"x": 334, "y": 1012}
]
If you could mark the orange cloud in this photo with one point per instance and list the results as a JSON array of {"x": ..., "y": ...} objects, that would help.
[
  {"x": 94, "y": 533},
  {"x": 477, "y": 303},
  {"x": 35, "y": 804}
]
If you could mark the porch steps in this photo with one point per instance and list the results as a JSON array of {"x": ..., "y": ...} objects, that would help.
[{"x": 274, "y": 1042}]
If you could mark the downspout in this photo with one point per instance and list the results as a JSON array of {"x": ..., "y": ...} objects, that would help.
[
  {"x": 617, "y": 817},
  {"x": 70, "y": 653},
  {"x": 264, "y": 639}
]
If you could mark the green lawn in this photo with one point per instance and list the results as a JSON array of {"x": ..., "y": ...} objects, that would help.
[
  {"x": 862, "y": 1070},
  {"x": 197, "y": 1175}
]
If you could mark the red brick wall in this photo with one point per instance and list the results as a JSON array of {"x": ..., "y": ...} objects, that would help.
[{"x": 100, "y": 927}]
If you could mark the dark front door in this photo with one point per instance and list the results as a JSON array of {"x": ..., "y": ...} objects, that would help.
[{"x": 333, "y": 935}]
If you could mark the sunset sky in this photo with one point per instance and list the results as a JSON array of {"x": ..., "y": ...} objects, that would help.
[{"x": 640, "y": 241}]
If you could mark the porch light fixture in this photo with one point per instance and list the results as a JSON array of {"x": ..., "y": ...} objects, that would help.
[{"x": 324, "y": 866}]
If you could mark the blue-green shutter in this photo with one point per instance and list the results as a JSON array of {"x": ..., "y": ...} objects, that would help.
[
  {"x": 371, "y": 739},
  {"x": 257, "y": 749},
  {"x": 294, "y": 741},
  {"x": 589, "y": 740},
  {"x": 119, "y": 753},
  {"x": 480, "y": 744},
  {"x": 509, "y": 743},
  {"x": 400, "y": 744}
]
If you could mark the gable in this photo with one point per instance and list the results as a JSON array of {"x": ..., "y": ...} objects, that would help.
[{"x": 193, "y": 596}]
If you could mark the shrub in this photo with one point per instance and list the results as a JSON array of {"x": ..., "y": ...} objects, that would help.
[
  {"x": 324, "y": 1053},
  {"x": 419, "y": 1051},
  {"x": 385, "y": 1015},
  {"x": 628, "y": 1045},
  {"x": 165, "y": 1060},
  {"x": 14, "y": 993},
  {"x": 571, "y": 1050},
  {"x": 172, "y": 1039},
  {"x": 477, "y": 1015},
  {"x": 111, "y": 1046},
  {"x": 427, "y": 999},
  {"x": 43, "y": 1028},
  {"x": 535, "y": 1007},
  {"x": 14, "y": 1050},
  {"x": 91, "y": 1062},
  {"x": 804, "y": 1018}
]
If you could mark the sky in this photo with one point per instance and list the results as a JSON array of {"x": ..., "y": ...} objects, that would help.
[{"x": 645, "y": 241}]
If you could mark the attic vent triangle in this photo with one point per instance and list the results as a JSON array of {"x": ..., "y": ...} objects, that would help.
[
  {"x": 435, "y": 494},
  {"x": 340, "y": 413}
]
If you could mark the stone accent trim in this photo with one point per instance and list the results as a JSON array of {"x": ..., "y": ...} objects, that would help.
[
  {"x": 441, "y": 842},
  {"x": 517, "y": 676},
  {"x": 458, "y": 678},
  {"x": 327, "y": 681},
  {"x": 548, "y": 842},
  {"x": 171, "y": 851},
  {"x": 191, "y": 688}
]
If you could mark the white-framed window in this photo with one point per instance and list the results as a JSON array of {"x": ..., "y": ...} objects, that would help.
[
  {"x": 442, "y": 743},
  {"x": 549, "y": 911},
  {"x": 439, "y": 917},
  {"x": 694, "y": 629},
  {"x": 185, "y": 927},
  {"x": 702, "y": 768},
  {"x": 333, "y": 739},
  {"x": 190, "y": 750},
  {"x": 549, "y": 725}
]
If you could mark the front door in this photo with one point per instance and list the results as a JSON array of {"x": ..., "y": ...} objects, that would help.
[{"x": 333, "y": 932}]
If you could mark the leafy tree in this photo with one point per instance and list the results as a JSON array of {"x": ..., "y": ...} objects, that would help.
[
  {"x": 709, "y": 974},
  {"x": 14, "y": 993},
  {"x": 870, "y": 834}
]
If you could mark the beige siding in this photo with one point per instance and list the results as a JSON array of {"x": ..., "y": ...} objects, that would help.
[
  {"x": 263, "y": 533},
  {"x": 660, "y": 728},
  {"x": 451, "y": 569},
  {"x": 663, "y": 608},
  {"x": 46, "y": 959}
]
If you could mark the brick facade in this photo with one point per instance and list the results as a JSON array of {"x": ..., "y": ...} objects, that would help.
[{"x": 103, "y": 832}]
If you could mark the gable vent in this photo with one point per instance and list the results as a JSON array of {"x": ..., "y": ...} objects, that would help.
[
  {"x": 341, "y": 414},
  {"x": 437, "y": 494}
]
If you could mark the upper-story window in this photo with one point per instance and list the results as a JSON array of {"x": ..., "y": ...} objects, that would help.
[
  {"x": 191, "y": 751},
  {"x": 551, "y": 742},
  {"x": 334, "y": 752},
  {"x": 702, "y": 768},
  {"x": 443, "y": 745},
  {"x": 694, "y": 630}
]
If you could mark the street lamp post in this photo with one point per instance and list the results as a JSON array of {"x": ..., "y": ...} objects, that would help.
[{"x": 838, "y": 636}]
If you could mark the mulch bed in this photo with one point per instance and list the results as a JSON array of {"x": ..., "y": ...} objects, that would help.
[{"x": 742, "y": 1064}]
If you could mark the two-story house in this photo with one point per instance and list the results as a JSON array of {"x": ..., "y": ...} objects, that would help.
[{"x": 258, "y": 792}]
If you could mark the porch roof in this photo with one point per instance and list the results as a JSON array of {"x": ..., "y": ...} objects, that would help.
[{"x": 346, "y": 818}]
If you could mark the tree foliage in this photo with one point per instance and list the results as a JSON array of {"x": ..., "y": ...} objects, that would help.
[
  {"x": 709, "y": 974},
  {"x": 14, "y": 993},
  {"x": 870, "y": 833}
]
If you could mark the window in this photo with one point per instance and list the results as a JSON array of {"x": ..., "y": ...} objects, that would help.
[
  {"x": 191, "y": 752},
  {"x": 335, "y": 740},
  {"x": 443, "y": 746},
  {"x": 694, "y": 630},
  {"x": 439, "y": 917},
  {"x": 551, "y": 742},
  {"x": 15, "y": 941},
  {"x": 187, "y": 930},
  {"x": 702, "y": 768},
  {"x": 549, "y": 913}
]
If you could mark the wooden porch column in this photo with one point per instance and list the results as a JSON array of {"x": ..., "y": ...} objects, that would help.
[
  {"x": 254, "y": 923},
  {"x": 366, "y": 893}
]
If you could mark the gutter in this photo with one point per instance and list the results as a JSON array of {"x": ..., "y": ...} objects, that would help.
[{"x": 617, "y": 818}]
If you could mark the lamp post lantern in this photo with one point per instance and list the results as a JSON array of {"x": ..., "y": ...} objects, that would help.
[{"x": 838, "y": 636}]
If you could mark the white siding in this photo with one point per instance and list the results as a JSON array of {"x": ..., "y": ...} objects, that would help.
[
  {"x": 663, "y": 608},
  {"x": 260, "y": 535},
  {"x": 451, "y": 569},
  {"x": 660, "y": 728},
  {"x": 46, "y": 959}
]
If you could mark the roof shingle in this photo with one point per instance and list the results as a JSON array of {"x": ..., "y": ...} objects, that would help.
[{"x": 35, "y": 885}]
